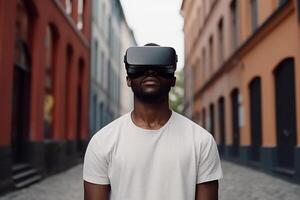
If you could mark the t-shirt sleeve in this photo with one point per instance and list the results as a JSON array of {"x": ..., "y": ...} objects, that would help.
[
  {"x": 209, "y": 166},
  {"x": 95, "y": 166}
]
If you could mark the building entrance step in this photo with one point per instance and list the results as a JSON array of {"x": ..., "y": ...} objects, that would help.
[{"x": 25, "y": 175}]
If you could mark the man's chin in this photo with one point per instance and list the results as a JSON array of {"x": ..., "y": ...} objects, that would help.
[{"x": 150, "y": 97}]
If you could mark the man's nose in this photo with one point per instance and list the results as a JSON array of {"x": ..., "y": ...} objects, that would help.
[{"x": 150, "y": 72}]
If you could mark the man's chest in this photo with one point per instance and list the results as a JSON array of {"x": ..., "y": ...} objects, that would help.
[{"x": 155, "y": 156}]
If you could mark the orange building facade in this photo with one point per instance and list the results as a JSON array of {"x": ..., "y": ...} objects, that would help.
[
  {"x": 44, "y": 87},
  {"x": 242, "y": 79}
]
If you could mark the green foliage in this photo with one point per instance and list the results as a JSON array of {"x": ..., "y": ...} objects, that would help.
[{"x": 177, "y": 92}]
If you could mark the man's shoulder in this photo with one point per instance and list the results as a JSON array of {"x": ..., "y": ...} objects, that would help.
[
  {"x": 104, "y": 139},
  {"x": 184, "y": 121},
  {"x": 111, "y": 127},
  {"x": 187, "y": 124}
]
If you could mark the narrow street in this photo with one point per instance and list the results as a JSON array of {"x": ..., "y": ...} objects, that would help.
[
  {"x": 238, "y": 183},
  {"x": 64, "y": 186},
  {"x": 241, "y": 183}
]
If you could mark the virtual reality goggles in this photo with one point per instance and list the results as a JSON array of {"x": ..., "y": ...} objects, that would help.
[{"x": 161, "y": 60}]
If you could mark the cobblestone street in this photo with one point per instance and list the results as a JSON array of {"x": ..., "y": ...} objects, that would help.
[
  {"x": 64, "y": 186},
  {"x": 239, "y": 183}
]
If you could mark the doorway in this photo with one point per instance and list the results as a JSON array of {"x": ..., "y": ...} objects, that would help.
[
  {"x": 235, "y": 122},
  {"x": 20, "y": 101},
  {"x": 285, "y": 113},
  {"x": 255, "y": 118},
  {"x": 221, "y": 107}
]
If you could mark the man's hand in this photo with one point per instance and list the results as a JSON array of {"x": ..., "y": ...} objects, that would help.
[
  {"x": 207, "y": 191},
  {"x": 96, "y": 192}
]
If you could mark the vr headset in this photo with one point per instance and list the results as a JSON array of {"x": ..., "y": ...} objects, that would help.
[{"x": 161, "y": 60}]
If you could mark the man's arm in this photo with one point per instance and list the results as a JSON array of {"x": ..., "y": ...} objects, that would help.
[
  {"x": 96, "y": 192},
  {"x": 207, "y": 190}
]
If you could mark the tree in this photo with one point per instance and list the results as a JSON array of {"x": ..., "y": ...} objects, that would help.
[{"x": 177, "y": 92}]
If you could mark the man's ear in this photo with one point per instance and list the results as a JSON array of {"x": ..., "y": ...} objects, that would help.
[
  {"x": 173, "y": 81},
  {"x": 128, "y": 81}
]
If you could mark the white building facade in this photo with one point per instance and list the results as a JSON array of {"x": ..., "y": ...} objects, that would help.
[
  {"x": 106, "y": 58},
  {"x": 127, "y": 40}
]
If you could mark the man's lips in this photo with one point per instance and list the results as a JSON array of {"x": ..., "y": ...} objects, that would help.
[{"x": 150, "y": 81}]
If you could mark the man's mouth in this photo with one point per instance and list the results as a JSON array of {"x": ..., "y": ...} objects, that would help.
[{"x": 150, "y": 81}]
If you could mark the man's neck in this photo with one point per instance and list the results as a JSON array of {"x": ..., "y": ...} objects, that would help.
[{"x": 151, "y": 115}]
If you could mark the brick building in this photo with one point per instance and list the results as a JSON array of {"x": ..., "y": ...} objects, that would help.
[
  {"x": 44, "y": 82},
  {"x": 242, "y": 69}
]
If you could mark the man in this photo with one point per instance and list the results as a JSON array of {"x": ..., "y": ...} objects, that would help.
[{"x": 151, "y": 153}]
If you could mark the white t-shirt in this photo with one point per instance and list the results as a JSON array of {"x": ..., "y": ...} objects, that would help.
[{"x": 142, "y": 164}]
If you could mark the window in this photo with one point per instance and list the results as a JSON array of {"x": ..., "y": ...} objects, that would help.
[
  {"x": 204, "y": 9},
  {"x": 212, "y": 119},
  {"x": 199, "y": 24},
  {"x": 95, "y": 61},
  {"x": 94, "y": 113},
  {"x": 221, "y": 41},
  {"x": 203, "y": 118},
  {"x": 80, "y": 14},
  {"x": 101, "y": 115},
  {"x": 204, "y": 63},
  {"x": 118, "y": 92},
  {"x": 198, "y": 73},
  {"x": 102, "y": 68},
  {"x": 69, "y": 58},
  {"x": 234, "y": 29},
  {"x": 49, "y": 86},
  {"x": 98, "y": 115},
  {"x": 241, "y": 110},
  {"x": 68, "y": 6},
  {"x": 189, "y": 89},
  {"x": 211, "y": 54},
  {"x": 109, "y": 74},
  {"x": 194, "y": 78},
  {"x": 221, "y": 120},
  {"x": 103, "y": 18},
  {"x": 202, "y": 16},
  {"x": 254, "y": 14},
  {"x": 98, "y": 67},
  {"x": 105, "y": 73},
  {"x": 208, "y": 120},
  {"x": 281, "y": 2},
  {"x": 96, "y": 10},
  {"x": 110, "y": 33},
  {"x": 79, "y": 98}
]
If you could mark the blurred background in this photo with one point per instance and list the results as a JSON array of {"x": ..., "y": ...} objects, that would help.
[{"x": 62, "y": 78}]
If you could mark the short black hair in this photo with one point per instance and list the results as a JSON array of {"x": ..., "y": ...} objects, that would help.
[{"x": 152, "y": 44}]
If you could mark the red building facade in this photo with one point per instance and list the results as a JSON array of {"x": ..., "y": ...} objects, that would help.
[{"x": 44, "y": 84}]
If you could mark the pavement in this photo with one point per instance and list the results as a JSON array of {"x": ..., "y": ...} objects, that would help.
[
  {"x": 248, "y": 184},
  {"x": 64, "y": 186},
  {"x": 239, "y": 183}
]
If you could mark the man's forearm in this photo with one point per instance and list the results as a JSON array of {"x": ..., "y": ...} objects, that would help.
[
  {"x": 207, "y": 191},
  {"x": 96, "y": 192}
]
